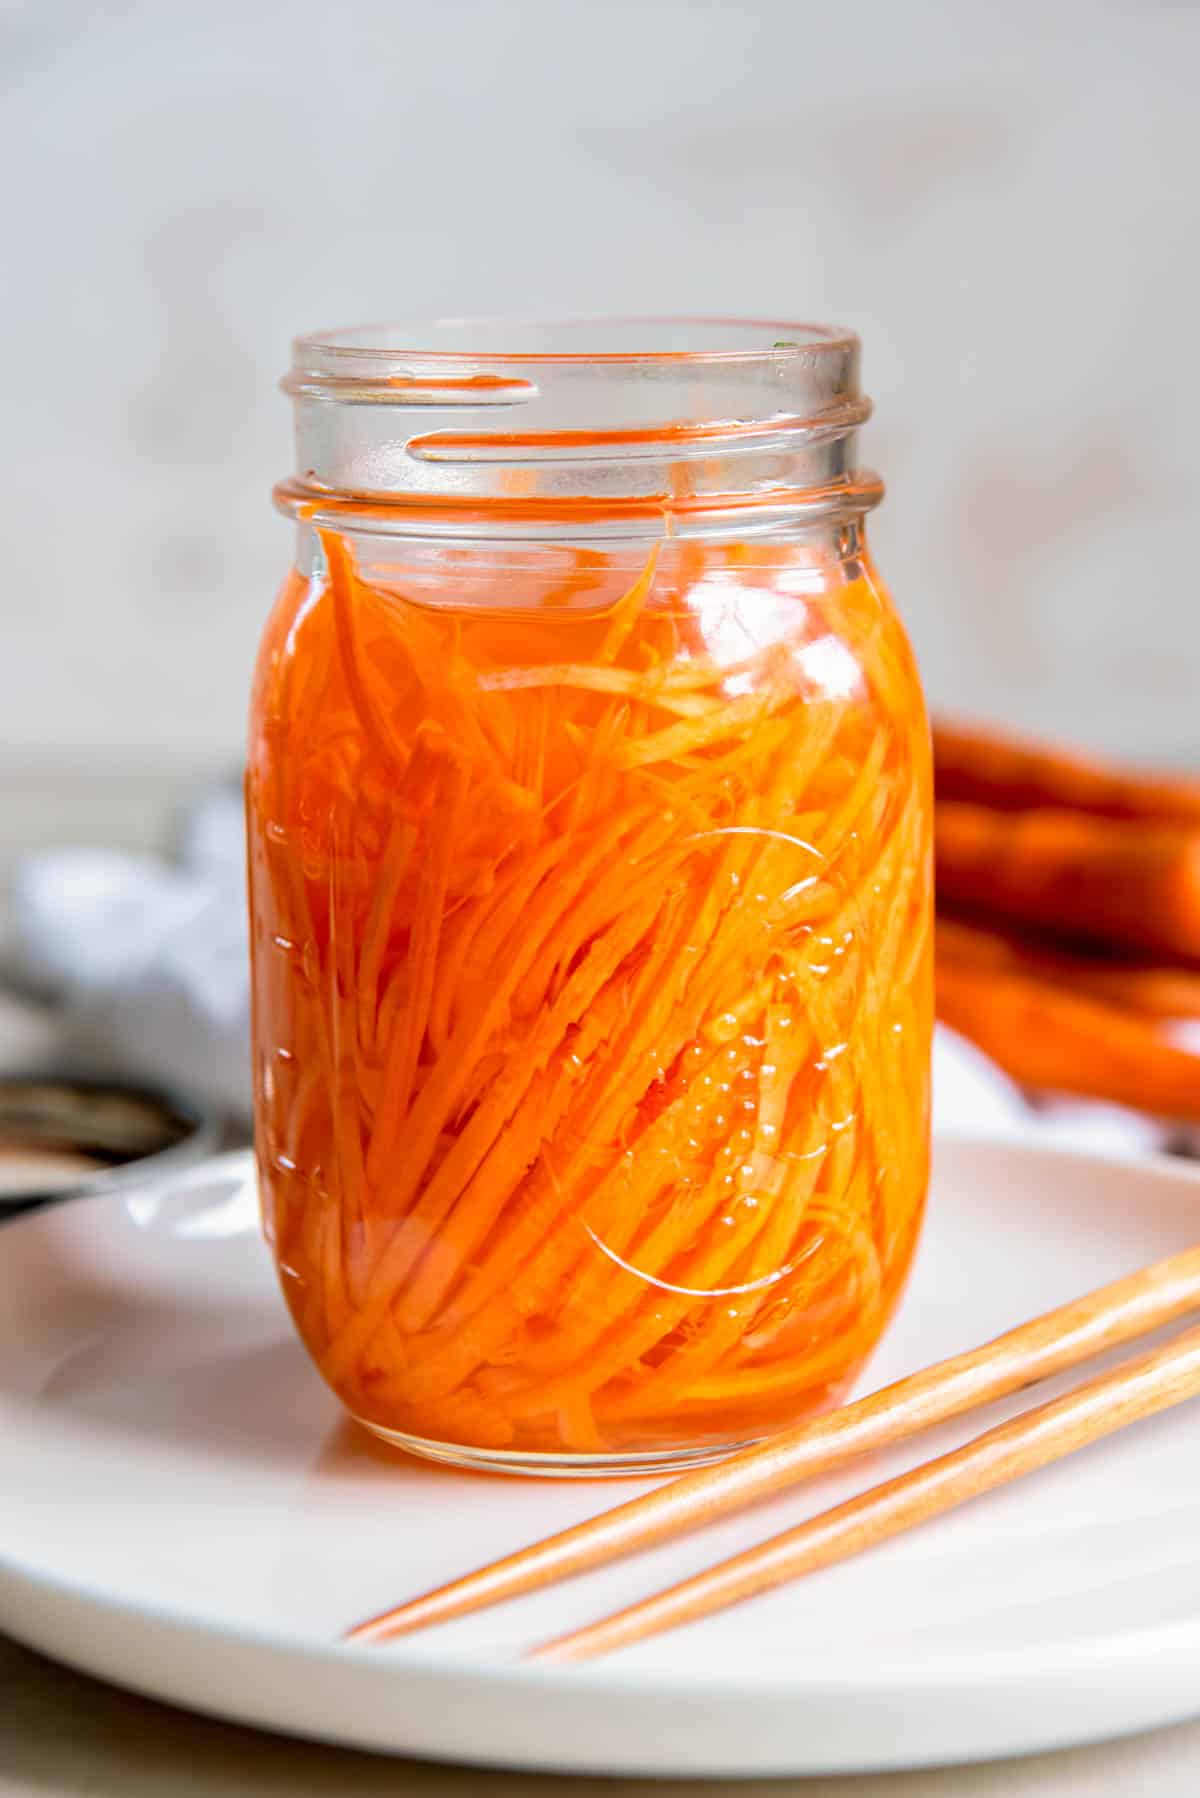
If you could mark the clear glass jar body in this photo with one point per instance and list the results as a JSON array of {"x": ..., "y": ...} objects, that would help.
[{"x": 591, "y": 925}]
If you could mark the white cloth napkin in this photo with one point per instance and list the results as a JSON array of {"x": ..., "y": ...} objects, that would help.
[{"x": 150, "y": 961}]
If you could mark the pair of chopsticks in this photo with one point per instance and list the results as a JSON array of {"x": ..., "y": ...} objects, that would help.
[{"x": 1058, "y": 1340}]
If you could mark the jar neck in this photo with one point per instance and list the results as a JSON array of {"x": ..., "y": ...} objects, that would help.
[
  {"x": 576, "y": 431},
  {"x": 533, "y": 575}
]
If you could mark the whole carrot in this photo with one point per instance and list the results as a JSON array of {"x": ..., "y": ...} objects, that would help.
[
  {"x": 1047, "y": 1038},
  {"x": 985, "y": 767},
  {"x": 1120, "y": 882},
  {"x": 1151, "y": 989}
]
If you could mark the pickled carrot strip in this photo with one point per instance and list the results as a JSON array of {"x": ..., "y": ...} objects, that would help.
[
  {"x": 623, "y": 1345},
  {"x": 625, "y": 613},
  {"x": 625, "y": 681},
  {"x": 483, "y": 1199},
  {"x": 577, "y": 1426},
  {"x": 540, "y": 1245},
  {"x": 395, "y": 862},
  {"x": 401, "y": 1066},
  {"x": 348, "y": 1150},
  {"x": 498, "y": 924},
  {"x": 549, "y": 1031},
  {"x": 601, "y": 904},
  {"x": 845, "y": 1151},
  {"x": 375, "y": 722},
  {"x": 469, "y": 1336},
  {"x": 716, "y": 726},
  {"x": 769, "y": 1274},
  {"x": 462, "y": 1416},
  {"x": 824, "y": 1362},
  {"x": 654, "y": 1258},
  {"x": 736, "y": 845},
  {"x": 478, "y": 1138}
]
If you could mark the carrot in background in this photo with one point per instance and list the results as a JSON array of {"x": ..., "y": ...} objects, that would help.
[
  {"x": 1131, "y": 883},
  {"x": 1044, "y": 1037},
  {"x": 986, "y": 767},
  {"x": 1154, "y": 990}
]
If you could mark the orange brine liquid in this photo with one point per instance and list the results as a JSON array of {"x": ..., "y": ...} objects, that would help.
[{"x": 592, "y": 995}]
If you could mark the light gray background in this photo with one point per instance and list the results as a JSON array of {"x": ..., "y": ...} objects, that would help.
[{"x": 1002, "y": 199}]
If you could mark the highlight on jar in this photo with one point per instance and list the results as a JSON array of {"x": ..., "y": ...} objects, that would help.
[{"x": 589, "y": 836}]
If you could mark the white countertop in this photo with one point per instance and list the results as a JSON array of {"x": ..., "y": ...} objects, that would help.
[{"x": 65, "y": 1736}]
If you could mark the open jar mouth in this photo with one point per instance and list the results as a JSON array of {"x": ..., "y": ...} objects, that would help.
[
  {"x": 638, "y": 426},
  {"x": 649, "y": 339}
]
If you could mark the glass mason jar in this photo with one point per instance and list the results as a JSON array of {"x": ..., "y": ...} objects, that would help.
[{"x": 588, "y": 798}]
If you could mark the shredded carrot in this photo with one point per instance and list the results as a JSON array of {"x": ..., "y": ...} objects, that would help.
[{"x": 592, "y": 992}]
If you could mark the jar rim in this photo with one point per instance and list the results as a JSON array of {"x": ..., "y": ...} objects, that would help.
[
  {"x": 757, "y": 340},
  {"x": 626, "y": 424}
]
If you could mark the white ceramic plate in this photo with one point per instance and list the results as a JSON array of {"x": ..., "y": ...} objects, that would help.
[{"x": 184, "y": 1512}]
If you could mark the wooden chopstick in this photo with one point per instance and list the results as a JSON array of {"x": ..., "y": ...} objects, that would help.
[
  {"x": 1049, "y": 1344},
  {"x": 1138, "y": 1388}
]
